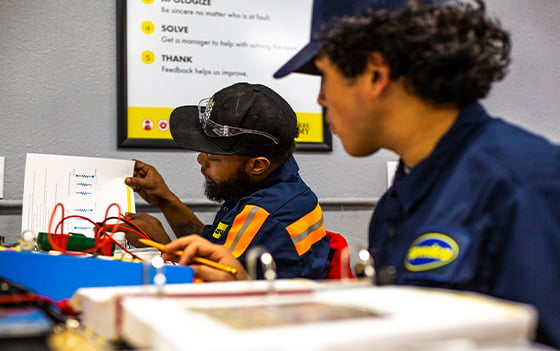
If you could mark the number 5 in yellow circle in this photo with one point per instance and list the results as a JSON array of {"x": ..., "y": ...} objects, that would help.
[{"x": 148, "y": 57}]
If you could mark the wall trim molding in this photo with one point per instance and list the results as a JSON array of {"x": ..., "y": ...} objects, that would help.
[{"x": 11, "y": 207}]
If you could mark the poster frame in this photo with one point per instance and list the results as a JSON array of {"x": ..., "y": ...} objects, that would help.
[{"x": 123, "y": 138}]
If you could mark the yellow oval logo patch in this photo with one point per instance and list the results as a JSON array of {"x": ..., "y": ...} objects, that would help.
[{"x": 431, "y": 250}]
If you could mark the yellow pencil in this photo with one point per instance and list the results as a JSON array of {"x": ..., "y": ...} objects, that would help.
[{"x": 201, "y": 260}]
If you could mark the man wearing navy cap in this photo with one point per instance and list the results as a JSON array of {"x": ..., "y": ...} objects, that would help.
[
  {"x": 245, "y": 134},
  {"x": 476, "y": 200},
  {"x": 475, "y": 203}
]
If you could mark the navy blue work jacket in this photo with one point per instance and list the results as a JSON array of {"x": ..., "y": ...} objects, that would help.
[
  {"x": 481, "y": 213},
  {"x": 282, "y": 215}
]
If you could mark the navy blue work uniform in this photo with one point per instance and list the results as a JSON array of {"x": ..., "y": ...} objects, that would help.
[
  {"x": 481, "y": 213},
  {"x": 282, "y": 215}
]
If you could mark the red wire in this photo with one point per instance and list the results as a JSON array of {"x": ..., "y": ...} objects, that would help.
[
  {"x": 138, "y": 230},
  {"x": 103, "y": 231},
  {"x": 64, "y": 305},
  {"x": 51, "y": 236},
  {"x": 60, "y": 224},
  {"x": 115, "y": 227},
  {"x": 5, "y": 299}
]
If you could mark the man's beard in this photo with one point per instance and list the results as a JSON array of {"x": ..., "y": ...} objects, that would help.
[{"x": 234, "y": 188}]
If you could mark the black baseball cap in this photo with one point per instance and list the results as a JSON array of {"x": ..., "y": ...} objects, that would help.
[
  {"x": 325, "y": 14},
  {"x": 242, "y": 119}
]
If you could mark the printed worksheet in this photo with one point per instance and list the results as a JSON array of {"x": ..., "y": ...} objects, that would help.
[{"x": 78, "y": 188}]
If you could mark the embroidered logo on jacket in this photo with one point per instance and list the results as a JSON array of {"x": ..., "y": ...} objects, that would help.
[
  {"x": 431, "y": 250},
  {"x": 220, "y": 230}
]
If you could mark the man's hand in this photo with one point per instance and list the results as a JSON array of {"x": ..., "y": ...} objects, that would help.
[
  {"x": 149, "y": 184},
  {"x": 150, "y": 225},
  {"x": 196, "y": 246}
]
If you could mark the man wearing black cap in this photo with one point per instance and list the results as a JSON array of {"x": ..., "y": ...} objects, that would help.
[
  {"x": 245, "y": 134},
  {"x": 476, "y": 200}
]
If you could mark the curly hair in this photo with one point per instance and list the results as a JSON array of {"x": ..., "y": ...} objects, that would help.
[{"x": 446, "y": 54}]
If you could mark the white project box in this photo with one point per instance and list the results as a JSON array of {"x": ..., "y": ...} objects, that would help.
[{"x": 306, "y": 315}]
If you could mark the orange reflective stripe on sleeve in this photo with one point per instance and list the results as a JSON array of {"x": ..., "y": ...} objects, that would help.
[
  {"x": 244, "y": 228},
  {"x": 307, "y": 230}
]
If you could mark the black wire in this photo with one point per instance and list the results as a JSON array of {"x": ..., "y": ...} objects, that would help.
[
  {"x": 8, "y": 287},
  {"x": 122, "y": 219}
]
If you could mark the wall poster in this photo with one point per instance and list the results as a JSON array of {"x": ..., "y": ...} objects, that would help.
[{"x": 176, "y": 52}]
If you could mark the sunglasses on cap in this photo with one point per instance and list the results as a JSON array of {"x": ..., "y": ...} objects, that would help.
[{"x": 213, "y": 129}]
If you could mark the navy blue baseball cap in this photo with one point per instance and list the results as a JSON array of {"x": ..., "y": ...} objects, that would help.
[{"x": 324, "y": 16}]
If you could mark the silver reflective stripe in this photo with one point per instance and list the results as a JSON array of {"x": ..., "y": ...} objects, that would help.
[
  {"x": 306, "y": 233},
  {"x": 242, "y": 230}
]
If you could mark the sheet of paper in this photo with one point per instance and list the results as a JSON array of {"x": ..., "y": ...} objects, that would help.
[{"x": 85, "y": 186}]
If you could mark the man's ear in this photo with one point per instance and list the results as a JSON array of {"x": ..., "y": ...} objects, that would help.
[
  {"x": 378, "y": 71},
  {"x": 257, "y": 166}
]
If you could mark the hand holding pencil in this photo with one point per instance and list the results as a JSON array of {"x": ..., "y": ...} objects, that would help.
[
  {"x": 210, "y": 262},
  {"x": 195, "y": 259}
]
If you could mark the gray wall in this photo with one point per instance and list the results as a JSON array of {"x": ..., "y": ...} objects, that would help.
[{"x": 58, "y": 95}]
